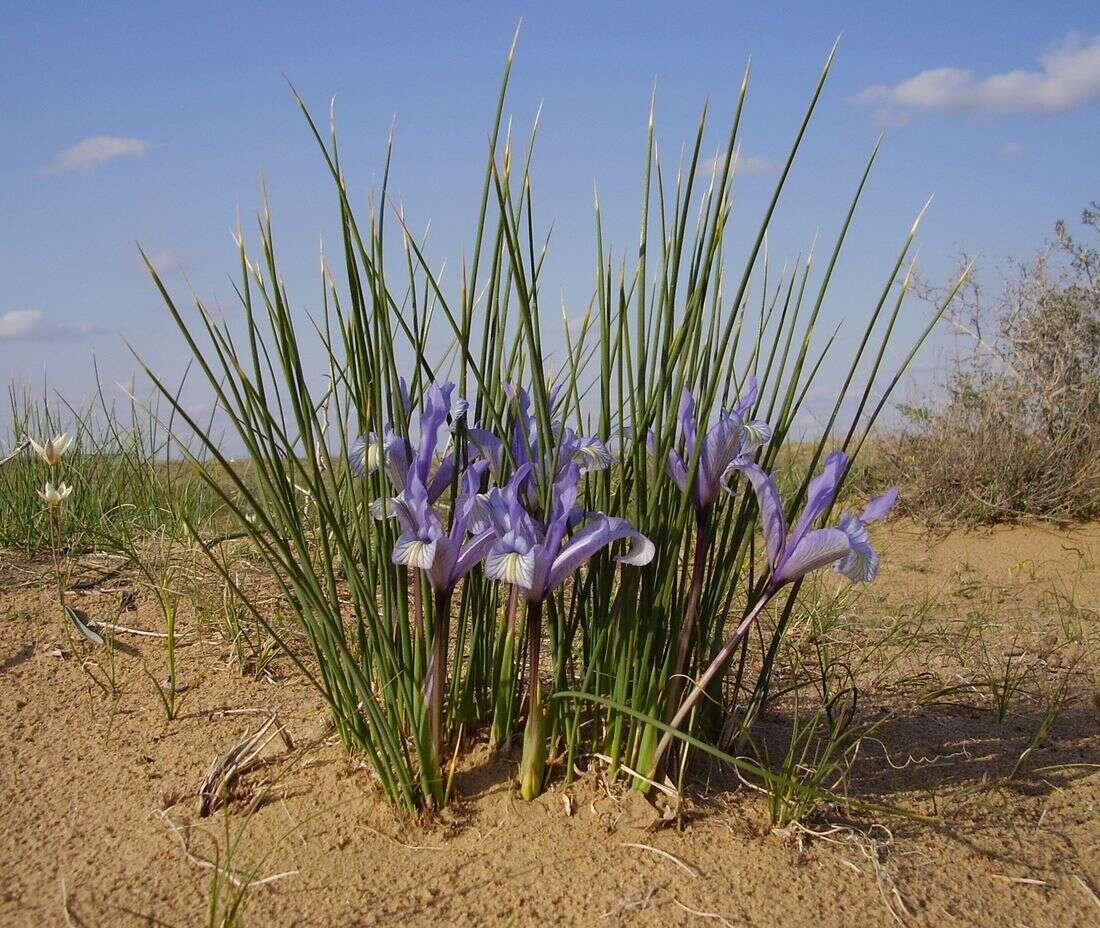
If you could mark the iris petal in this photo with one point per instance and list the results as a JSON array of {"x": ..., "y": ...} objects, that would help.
[
  {"x": 511, "y": 567},
  {"x": 413, "y": 551},
  {"x": 814, "y": 550}
]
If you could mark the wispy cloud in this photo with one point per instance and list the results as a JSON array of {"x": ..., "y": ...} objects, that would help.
[
  {"x": 28, "y": 324},
  {"x": 1067, "y": 77},
  {"x": 745, "y": 164},
  {"x": 95, "y": 151},
  {"x": 167, "y": 262}
]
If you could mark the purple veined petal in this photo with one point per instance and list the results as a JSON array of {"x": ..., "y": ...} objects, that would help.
[
  {"x": 861, "y": 563},
  {"x": 650, "y": 442},
  {"x": 442, "y": 478},
  {"x": 595, "y": 536},
  {"x": 420, "y": 509},
  {"x": 481, "y": 515},
  {"x": 413, "y": 551},
  {"x": 467, "y": 502},
  {"x": 853, "y": 527},
  {"x": 357, "y": 456},
  {"x": 459, "y": 408},
  {"x": 442, "y": 571},
  {"x": 590, "y": 453},
  {"x": 398, "y": 460},
  {"x": 747, "y": 397},
  {"x": 473, "y": 553},
  {"x": 814, "y": 550},
  {"x": 677, "y": 470},
  {"x": 393, "y": 507},
  {"x": 562, "y": 501},
  {"x": 365, "y": 454},
  {"x": 685, "y": 416},
  {"x": 511, "y": 566},
  {"x": 880, "y": 506},
  {"x": 770, "y": 505},
  {"x": 495, "y": 510},
  {"x": 403, "y": 397},
  {"x": 720, "y": 447},
  {"x": 488, "y": 446},
  {"x": 754, "y": 434},
  {"x": 820, "y": 494}
]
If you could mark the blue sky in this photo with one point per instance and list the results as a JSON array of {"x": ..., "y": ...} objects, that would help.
[{"x": 153, "y": 123}]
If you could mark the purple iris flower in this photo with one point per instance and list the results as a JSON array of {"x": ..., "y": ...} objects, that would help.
[
  {"x": 588, "y": 452},
  {"x": 860, "y": 565},
  {"x": 447, "y": 556},
  {"x": 397, "y": 454},
  {"x": 792, "y": 556},
  {"x": 535, "y": 556},
  {"x": 733, "y": 436}
]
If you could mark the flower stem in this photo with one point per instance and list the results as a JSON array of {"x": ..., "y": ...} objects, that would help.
[
  {"x": 505, "y": 697},
  {"x": 532, "y": 766},
  {"x": 437, "y": 681},
  {"x": 709, "y": 674}
]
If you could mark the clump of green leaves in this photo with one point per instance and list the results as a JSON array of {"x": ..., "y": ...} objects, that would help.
[{"x": 406, "y": 671}]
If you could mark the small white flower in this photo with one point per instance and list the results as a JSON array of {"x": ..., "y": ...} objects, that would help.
[
  {"x": 55, "y": 496},
  {"x": 53, "y": 448}
]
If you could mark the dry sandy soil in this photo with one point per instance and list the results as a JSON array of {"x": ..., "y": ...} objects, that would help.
[{"x": 99, "y": 821}]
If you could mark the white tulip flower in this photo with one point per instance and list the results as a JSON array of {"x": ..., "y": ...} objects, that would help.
[
  {"x": 53, "y": 448},
  {"x": 55, "y": 496}
]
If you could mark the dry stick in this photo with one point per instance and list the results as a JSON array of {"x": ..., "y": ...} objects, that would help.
[
  {"x": 1088, "y": 889},
  {"x": 687, "y": 868},
  {"x": 229, "y": 874},
  {"x": 701, "y": 914},
  {"x": 237, "y": 760},
  {"x": 711, "y": 672},
  {"x": 15, "y": 452},
  {"x": 122, "y": 629}
]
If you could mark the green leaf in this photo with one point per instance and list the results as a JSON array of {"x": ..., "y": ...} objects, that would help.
[{"x": 82, "y": 626}]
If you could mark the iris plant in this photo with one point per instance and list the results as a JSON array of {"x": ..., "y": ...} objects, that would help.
[
  {"x": 793, "y": 555},
  {"x": 506, "y": 491},
  {"x": 445, "y": 554},
  {"x": 535, "y": 556},
  {"x": 734, "y": 435}
]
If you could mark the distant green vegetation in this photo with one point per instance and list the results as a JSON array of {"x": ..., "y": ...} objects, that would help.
[{"x": 128, "y": 478}]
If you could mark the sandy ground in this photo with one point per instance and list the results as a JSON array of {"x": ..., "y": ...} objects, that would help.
[{"x": 99, "y": 823}]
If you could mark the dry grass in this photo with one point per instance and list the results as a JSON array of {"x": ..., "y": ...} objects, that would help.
[{"x": 1016, "y": 435}]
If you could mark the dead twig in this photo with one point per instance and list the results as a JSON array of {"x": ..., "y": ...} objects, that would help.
[
  {"x": 687, "y": 868},
  {"x": 240, "y": 758},
  {"x": 15, "y": 452}
]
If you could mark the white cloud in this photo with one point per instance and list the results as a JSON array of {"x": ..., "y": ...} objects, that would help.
[
  {"x": 755, "y": 164},
  {"x": 1067, "y": 78},
  {"x": 27, "y": 324},
  {"x": 745, "y": 164},
  {"x": 1012, "y": 150},
  {"x": 890, "y": 118},
  {"x": 166, "y": 262},
  {"x": 95, "y": 151}
]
